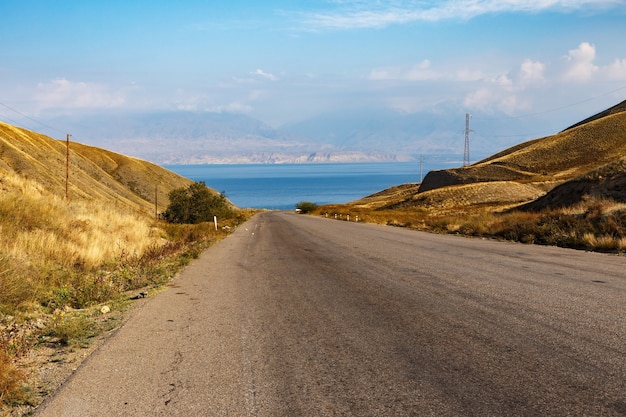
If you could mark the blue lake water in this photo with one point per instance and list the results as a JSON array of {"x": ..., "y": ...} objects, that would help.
[{"x": 282, "y": 186}]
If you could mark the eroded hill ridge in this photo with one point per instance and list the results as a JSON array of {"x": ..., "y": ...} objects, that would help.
[{"x": 585, "y": 159}]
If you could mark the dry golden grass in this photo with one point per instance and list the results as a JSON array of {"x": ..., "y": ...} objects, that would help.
[
  {"x": 40, "y": 232},
  {"x": 601, "y": 243},
  {"x": 594, "y": 224},
  {"x": 39, "y": 228},
  {"x": 500, "y": 194},
  {"x": 107, "y": 215},
  {"x": 62, "y": 255},
  {"x": 58, "y": 255},
  {"x": 10, "y": 381},
  {"x": 387, "y": 197},
  {"x": 572, "y": 152}
]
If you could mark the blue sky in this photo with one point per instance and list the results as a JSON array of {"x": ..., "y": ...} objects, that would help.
[{"x": 286, "y": 61}]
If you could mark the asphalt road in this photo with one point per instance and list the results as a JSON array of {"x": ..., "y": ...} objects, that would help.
[{"x": 299, "y": 316}]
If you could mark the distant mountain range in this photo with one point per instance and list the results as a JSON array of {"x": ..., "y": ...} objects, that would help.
[{"x": 357, "y": 136}]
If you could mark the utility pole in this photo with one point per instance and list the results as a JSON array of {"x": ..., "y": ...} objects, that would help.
[
  {"x": 466, "y": 153},
  {"x": 67, "y": 167}
]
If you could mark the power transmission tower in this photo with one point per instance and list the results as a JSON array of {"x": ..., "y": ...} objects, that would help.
[{"x": 466, "y": 153}]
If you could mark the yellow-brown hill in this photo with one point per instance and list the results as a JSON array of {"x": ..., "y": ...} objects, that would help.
[
  {"x": 95, "y": 174},
  {"x": 606, "y": 182},
  {"x": 584, "y": 153}
]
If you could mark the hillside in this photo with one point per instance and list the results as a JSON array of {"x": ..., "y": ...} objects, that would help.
[
  {"x": 69, "y": 268},
  {"x": 94, "y": 173},
  {"x": 586, "y": 160},
  {"x": 545, "y": 162},
  {"x": 608, "y": 181},
  {"x": 565, "y": 190}
]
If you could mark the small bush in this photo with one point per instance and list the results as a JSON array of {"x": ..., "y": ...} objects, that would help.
[
  {"x": 306, "y": 206},
  {"x": 601, "y": 243},
  {"x": 196, "y": 204},
  {"x": 15, "y": 342},
  {"x": 17, "y": 286},
  {"x": 70, "y": 329},
  {"x": 11, "y": 382},
  {"x": 476, "y": 225},
  {"x": 442, "y": 225}
]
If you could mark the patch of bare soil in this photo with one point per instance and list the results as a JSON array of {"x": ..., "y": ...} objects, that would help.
[
  {"x": 503, "y": 193},
  {"x": 388, "y": 196},
  {"x": 50, "y": 363}
]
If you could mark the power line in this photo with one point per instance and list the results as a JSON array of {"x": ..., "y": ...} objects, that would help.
[
  {"x": 31, "y": 119},
  {"x": 572, "y": 105},
  {"x": 8, "y": 119},
  {"x": 546, "y": 111}
]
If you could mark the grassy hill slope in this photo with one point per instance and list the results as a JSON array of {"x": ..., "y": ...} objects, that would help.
[
  {"x": 94, "y": 173},
  {"x": 545, "y": 162},
  {"x": 108, "y": 217},
  {"x": 62, "y": 261},
  {"x": 606, "y": 182}
]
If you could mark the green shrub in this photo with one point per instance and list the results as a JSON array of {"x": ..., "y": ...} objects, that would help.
[
  {"x": 196, "y": 204},
  {"x": 306, "y": 206},
  {"x": 70, "y": 329}
]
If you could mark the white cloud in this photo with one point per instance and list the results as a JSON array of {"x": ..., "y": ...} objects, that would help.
[
  {"x": 492, "y": 99},
  {"x": 511, "y": 103},
  {"x": 419, "y": 72},
  {"x": 264, "y": 74},
  {"x": 617, "y": 70},
  {"x": 531, "y": 72},
  {"x": 358, "y": 14},
  {"x": 233, "y": 107},
  {"x": 530, "y": 84},
  {"x": 580, "y": 63},
  {"x": 506, "y": 93},
  {"x": 380, "y": 74},
  {"x": 465, "y": 75},
  {"x": 422, "y": 72},
  {"x": 480, "y": 99},
  {"x": 62, "y": 93},
  {"x": 504, "y": 81}
]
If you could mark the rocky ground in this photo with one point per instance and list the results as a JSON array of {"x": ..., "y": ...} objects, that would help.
[{"x": 50, "y": 363}]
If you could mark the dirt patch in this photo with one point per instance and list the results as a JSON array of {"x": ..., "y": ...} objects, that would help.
[
  {"x": 49, "y": 364},
  {"x": 487, "y": 193}
]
